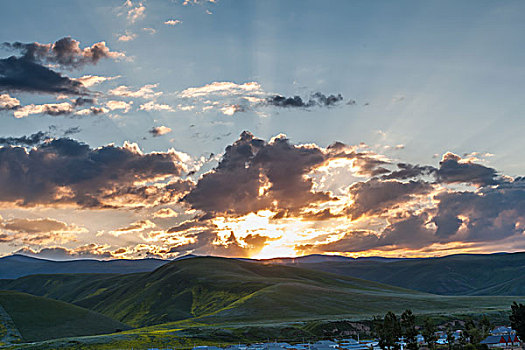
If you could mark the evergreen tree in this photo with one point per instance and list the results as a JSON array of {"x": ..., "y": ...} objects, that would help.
[
  {"x": 485, "y": 327},
  {"x": 388, "y": 331},
  {"x": 429, "y": 333},
  {"x": 408, "y": 329},
  {"x": 472, "y": 332},
  {"x": 450, "y": 337},
  {"x": 517, "y": 319},
  {"x": 463, "y": 339}
]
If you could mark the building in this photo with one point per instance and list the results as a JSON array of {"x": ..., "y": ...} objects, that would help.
[
  {"x": 502, "y": 330},
  {"x": 501, "y": 341}
]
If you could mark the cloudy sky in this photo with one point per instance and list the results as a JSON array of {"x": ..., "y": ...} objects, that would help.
[{"x": 261, "y": 129}]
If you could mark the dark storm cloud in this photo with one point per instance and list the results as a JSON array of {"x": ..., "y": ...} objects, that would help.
[
  {"x": 71, "y": 131},
  {"x": 453, "y": 170},
  {"x": 97, "y": 110},
  {"x": 407, "y": 232},
  {"x": 37, "y": 231},
  {"x": 65, "y": 171},
  {"x": 31, "y": 140},
  {"x": 375, "y": 196},
  {"x": 408, "y": 171},
  {"x": 365, "y": 163},
  {"x": 28, "y": 73},
  {"x": 34, "y": 225},
  {"x": 316, "y": 100},
  {"x": 81, "y": 101},
  {"x": 23, "y": 75},
  {"x": 187, "y": 225},
  {"x": 488, "y": 214},
  {"x": 255, "y": 175},
  {"x": 65, "y": 52},
  {"x": 159, "y": 131}
]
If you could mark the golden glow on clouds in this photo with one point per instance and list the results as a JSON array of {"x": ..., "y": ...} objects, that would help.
[{"x": 283, "y": 234}]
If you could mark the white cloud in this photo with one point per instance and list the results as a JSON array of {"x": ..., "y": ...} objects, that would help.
[
  {"x": 135, "y": 227},
  {"x": 223, "y": 88},
  {"x": 127, "y": 36},
  {"x": 8, "y": 102},
  {"x": 125, "y": 106},
  {"x": 231, "y": 109},
  {"x": 50, "y": 108},
  {"x": 160, "y": 130},
  {"x": 90, "y": 80},
  {"x": 185, "y": 107},
  {"x": 193, "y": 2},
  {"x": 165, "y": 213},
  {"x": 92, "y": 110},
  {"x": 151, "y": 31},
  {"x": 173, "y": 22},
  {"x": 146, "y": 91},
  {"x": 152, "y": 106},
  {"x": 135, "y": 12}
]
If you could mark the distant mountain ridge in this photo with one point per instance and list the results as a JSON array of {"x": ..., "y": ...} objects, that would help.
[
  {"x": 14, "y": 266},
  {"x": 320, "y": 258},
  {"x": 461, "y": 274}
]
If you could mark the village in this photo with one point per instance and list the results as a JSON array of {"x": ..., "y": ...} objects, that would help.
[{"x": 502, "y": 337}]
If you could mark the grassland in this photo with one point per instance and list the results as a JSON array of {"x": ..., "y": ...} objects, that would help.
[
  {"x": 218, "y": 290},
  {"x": 462, "y": 274},
  {"x": 205, "y": 300},
  {"x": 38, "y": 318}
]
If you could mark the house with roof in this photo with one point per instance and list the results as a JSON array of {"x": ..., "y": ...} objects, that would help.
[
  {"x": 352, "y": 344},
  {"x": 501, "y": 341},
  {"x": 502, "y": 330}
]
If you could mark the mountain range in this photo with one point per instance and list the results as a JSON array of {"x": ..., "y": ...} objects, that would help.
[{"x": 118, "y": 295}]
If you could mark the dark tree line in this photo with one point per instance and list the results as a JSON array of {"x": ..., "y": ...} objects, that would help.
[
  {"x": 517, "y": 319},
  {"x": 390, "y": 329}
]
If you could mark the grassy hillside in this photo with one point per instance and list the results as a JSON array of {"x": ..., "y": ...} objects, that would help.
[
  {"x": 492, "y": 274},
  {"x": 219, "y": 290},
  {"x": 495, "y": 274},
  {"x": 38, "y": 318}
]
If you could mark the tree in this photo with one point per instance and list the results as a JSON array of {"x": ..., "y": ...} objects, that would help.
[
  {"x": 388, "y": 330},
  {"x": 408, "y": 329},
  {"x": 485, "y": 326},
  {"x": 450, "y": 337},
  {"x": 517, "y": 319},
  {"x": 463, "y": 339},
  {"x": 429, "y": 333},
  {"x": 472, "y": 332}
]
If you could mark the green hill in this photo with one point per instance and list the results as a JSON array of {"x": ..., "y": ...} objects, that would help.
[
  {"x": 220, "y": 290},
  {"x": 38, "y": 318},
  {"x": 466, "y": 274},
  {"x": 463, "y": 274}
]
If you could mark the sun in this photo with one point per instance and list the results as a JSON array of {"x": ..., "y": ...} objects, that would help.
[{"x": 275, "y": 250}]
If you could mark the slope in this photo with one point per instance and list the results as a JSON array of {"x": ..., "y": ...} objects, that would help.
[
  {"x": 463, "y": 274},
  {"x": 38, "y": 318},
  {"x": 218, "y": 290}
]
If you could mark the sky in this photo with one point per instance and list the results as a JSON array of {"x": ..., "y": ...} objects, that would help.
[{"x": 135, "y": 129}]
